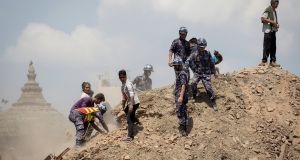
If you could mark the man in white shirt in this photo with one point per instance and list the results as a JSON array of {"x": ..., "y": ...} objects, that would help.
[
  {"x": 270, "y": 27},
  {"x": 130, "y": 103}
]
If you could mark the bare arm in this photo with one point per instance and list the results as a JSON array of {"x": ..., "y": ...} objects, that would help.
[
  {"x": 104, "y": 126},
  {"x": 266, "y": 20},
  {"x": 131, "y": 104},
  {"x": 123, "y": 104},
  {"x": 170, "y": 58},
  {"x": 182, "y": 90},
  {"x": 96, "y": 127},
  {"x": 180, "y": 99},
  {"x": 100, "y": 118}
]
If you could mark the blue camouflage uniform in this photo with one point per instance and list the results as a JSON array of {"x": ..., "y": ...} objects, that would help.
[
  {"x": 181, "y": 110},
  {"x": 192, "y": 64},
  {"x": 203, "y": 67},
  {"x": 181, "y": 49},
  {"x": 81, "y": 123},
  {"x": 142, "y": 83}
]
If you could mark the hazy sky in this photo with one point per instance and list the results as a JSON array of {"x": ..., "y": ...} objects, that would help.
[{"x": 71, "y": 41}]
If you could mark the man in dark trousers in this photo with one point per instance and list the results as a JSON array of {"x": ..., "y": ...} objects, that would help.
[
  {"x": 270, "y": 27},
  {"x": 181, "y": 97},
  {"x": 204, "y": 68},
  {"x": 130, "y": 103}
]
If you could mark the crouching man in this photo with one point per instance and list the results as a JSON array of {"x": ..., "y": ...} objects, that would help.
[{"x": 83, "y": 114}]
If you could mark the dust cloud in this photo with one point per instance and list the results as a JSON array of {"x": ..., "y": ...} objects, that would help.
[{"x": 34, "y": 134}]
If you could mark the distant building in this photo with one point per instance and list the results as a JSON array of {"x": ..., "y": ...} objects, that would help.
[{"x": 31, "y": 128}]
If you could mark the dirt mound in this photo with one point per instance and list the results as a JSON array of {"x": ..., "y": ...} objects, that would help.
[{"x": 258, "y": 118}]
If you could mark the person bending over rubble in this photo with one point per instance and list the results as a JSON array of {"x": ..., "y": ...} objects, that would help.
[
  {"x": 84, "y": 113},
  {"x": 181, "y": 97},
  {"x": 130, "y": 103},
  {"x": 204, "y": 68}
]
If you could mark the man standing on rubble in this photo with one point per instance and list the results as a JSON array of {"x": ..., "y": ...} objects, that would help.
[
  {"x": 181, "y": 97},
  {"x": 270, "y": 27},
  {"x": 180, "y": 48},
  {"x": 130, "y": 103},
  {"x": 204, "y": 68}
]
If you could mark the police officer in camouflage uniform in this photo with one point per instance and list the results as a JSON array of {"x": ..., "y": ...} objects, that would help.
[
  {"x": 144, "y": 82},
  {"x": 204, "y": 67},
  {"x": 181, "y": 97},
  {"x": 193, "y": 48},
  {"x": 83, "y": 114},
  {"x": 180, "y": 47}
]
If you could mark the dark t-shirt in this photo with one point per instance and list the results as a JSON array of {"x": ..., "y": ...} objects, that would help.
[{"x": 83, "y": 102}]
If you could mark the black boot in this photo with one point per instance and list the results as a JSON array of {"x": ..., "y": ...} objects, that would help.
[
  {"x": 214, "y": 105},
  {"x": 80, "y": 143},
  {"x": 194, "y": 95},
  {"x": 182, "y": 130}
]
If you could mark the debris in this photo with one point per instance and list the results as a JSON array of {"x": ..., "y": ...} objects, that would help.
[
  {"x": 127, "y": 157},
  {"x": 270, "y": 120},
  {"x": 282, "y": 151},
  {"x": 59, "y": 157},
  {"x": 270, "y": 109},
  {"x": 247, "y": 126}
]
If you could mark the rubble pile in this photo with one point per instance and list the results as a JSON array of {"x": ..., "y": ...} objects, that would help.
[{"x": 258, "y": 118}]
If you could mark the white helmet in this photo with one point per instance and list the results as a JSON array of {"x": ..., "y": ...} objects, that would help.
[
  {"x": 183, "y": 29},
  {"x": 148, "y": 67}
]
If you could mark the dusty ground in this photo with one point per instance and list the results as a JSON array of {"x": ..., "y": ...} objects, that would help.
[{"x": 258, "y": 118}]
